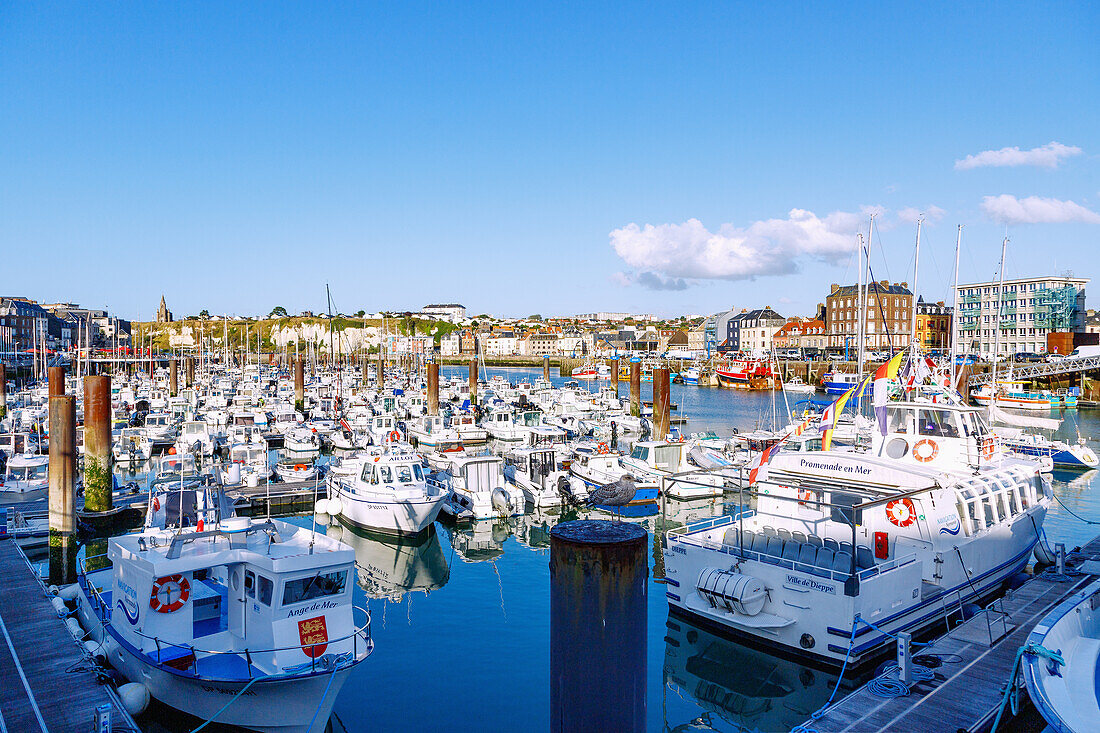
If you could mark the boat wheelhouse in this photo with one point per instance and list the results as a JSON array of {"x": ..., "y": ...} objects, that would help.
[
  {"x": 536, "y": 472},
  {"x": 664, "y": 462}
]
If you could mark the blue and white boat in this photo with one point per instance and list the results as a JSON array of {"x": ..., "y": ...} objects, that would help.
[
  {"x": 205, "y": 610},
  {"x": 840, "y": 382},
  {"x": 1061, "y": 454},
  {"x": 1066, "y": 689},
  {"x": 601, "y": 467},
  {"x": 690, "y": 375}
]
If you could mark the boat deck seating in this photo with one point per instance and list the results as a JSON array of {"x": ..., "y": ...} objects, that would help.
[{"x": 816, "y": 555}]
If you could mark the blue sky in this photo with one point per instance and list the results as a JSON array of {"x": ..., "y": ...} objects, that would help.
[{"x": 239, "y": 156}]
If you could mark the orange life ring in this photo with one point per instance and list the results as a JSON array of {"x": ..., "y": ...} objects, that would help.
[
  {"x": 163, "y": 586},
  {"x": 922, "y": 455},
  {"x": 987, "y": 448},
  {"x": 156, "y": 504},
  {"x": 602, "y": 449},
  {"x": 299, "y": 466},
  {"x": 395, "y": 435},
  {"x": 805, "y": 495},
  {"x": 901, "y": 513}
]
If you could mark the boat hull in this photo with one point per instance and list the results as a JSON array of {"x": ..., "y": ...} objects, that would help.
[{"x": 390, "y": 517}]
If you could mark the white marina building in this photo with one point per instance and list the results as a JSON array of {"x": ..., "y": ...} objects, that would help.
[{"x": 1026, "y": 310}]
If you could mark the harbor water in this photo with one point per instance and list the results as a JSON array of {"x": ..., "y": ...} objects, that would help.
[{"x": 461, "y": 618}]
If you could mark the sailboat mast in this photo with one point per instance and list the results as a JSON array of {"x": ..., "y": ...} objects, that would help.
[
  {"x": 916, "y": 271},
  {"x": 997, "y": 329},
  {"x": 955, "y": 311}
]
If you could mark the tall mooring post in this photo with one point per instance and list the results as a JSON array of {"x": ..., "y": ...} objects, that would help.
[
  {"x": 189, "y": 372},
  {"x": 56, "y": 377},
  {"x": 366, "y": 367},
  {"x": 63, "y": 545},
  {"x": 3, "y": 391},
  {"x": 598, "y": 598},
  {"x": 473, "y": 382},
  {"x": 380, "y": 380},
  {"x": 97, "y": 444},
  {"x": 433, "y": 388},
  {"x": 614, "y": 364},
  {"x": 661, "y": 403},
  {"x": 173, "y": 377},
  {"x": 635, "y": 389},
  {"x": 546, "y": 368},
  {"x": 299, "y": 384}
]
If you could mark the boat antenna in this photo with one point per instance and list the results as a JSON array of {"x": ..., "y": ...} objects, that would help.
[
  {"x": 997, "y": 331},
  {"x": 955, "y": 313}
]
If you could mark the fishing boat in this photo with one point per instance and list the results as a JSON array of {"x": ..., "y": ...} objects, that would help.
[
  {"x": 25, "y": 478},
  {"x": 535, "y": 471},
  {"x": 295, "y": 470},
  {"x": 837, "y": 383},
  {"x": 475, "y": 489},
  {"x": 208, "y": 610},
  {"x": 1061, "y": 667},
  {"x": 933, "y": 514},
  {"x": 747, "y": 373},
  {"x": 389, "y": 493},
  {"x": 651, "y": 461},
  {"x": 1016, "y": 396},
  {"x": 691, "y": 375}
]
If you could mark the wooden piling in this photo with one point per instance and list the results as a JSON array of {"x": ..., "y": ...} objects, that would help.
[
  {"x": 173, "y": 378},
  {"x": 635, "y": 389},
  {"x": 63, "y": 545},
  {"x": 661, "y": 403},
  {"x": 546, "y": 368},
  {"x": 473, "y": 382},
  {"x": 614, "y": 364},
  {"x": 56, "y": 378},
  {"x": 97, "y": 444},
  {"x": 299, "y": 384},
  {"x": 433, "y": 388},
  {"x": 3, "y": 390}
]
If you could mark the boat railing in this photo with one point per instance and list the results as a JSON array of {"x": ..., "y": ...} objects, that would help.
[{"x": 360, "y": 637}]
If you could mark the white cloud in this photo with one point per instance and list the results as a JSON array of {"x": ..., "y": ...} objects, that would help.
[
  {"x": 668, "y": 256},
  {"x": 620, "y": 278},
  {"x": 1036, "y": 210},
  {"x": 910, "y": 214},
  {"x": 1044, "y": 156}
]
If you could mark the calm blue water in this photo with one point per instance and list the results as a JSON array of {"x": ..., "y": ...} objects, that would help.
[
  {"x": 461, "y": 620},
  {"x": 468, "y": 646}
]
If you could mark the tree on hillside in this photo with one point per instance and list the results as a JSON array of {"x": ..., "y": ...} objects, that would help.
[
  {"x": 278, "y": 312},
  {"x": 204, "y": 314},
  {"x": 360, "y": 313}
]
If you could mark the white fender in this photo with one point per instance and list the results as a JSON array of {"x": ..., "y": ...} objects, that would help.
[{"x": 135, "y": 697}]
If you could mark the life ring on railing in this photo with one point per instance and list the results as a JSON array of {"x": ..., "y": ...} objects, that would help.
[
  {"x": 805, "y": 495},
  {"x": 160, "y": 600},
  {"x": 299, "y": 466},
  {"x": 901, "y": 512},
  {"x": 395, "y": 435},
  {"x": 602, "y": 449},
  {"x": 156, "y": 504},
  {"x": 987, "y": 448},
  {"x": 925, "y": 450}
]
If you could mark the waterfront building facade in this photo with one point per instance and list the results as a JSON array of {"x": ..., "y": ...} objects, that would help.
[
  {"x": 453, "y": 312},
  {"x": 933, "y": 325},
  {"x": 1024, "y": 310},
  {"x": 889, "y": 309}
]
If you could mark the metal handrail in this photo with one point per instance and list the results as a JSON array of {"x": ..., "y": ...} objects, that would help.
[{"x": 1050, "y": 368}]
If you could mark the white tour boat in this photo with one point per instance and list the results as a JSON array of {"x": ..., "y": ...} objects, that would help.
[{"x": 389, "y": 493}]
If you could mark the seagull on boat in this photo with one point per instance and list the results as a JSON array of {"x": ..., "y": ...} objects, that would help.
[{"x": 616, "y": 494}]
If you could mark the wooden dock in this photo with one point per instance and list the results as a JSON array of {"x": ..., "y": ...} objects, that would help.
[
  {"x": 966, "y": 694},
  {"x": 46, "y": 684},
  {"x": 277, "y": 499}
]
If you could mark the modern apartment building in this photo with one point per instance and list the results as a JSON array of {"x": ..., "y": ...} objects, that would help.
[{"x": 1025, "y": 311}]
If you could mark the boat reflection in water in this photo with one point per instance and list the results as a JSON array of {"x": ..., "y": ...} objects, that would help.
[
  {"x": 481, "y": 540},
  {"x": 389, "y": 567},
  {"x": 533, "y": 530},
  {"x": 714, "y": 683}
]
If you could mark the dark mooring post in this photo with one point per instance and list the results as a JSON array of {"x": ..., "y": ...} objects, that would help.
[
  {"x": 3, "y": 391},
  {"x": 380, "y": 380},
  {"x": 433, "y": 388},
  {"x": 598, "y": 588},
  {"x": 366, "y": 366},
  {"x": 189, "y": 372},
  {"x": 661, "y": 403},
  {"x": 173, "y": 377},
  {"x": 614, "y": 363},
  {"x": 546, "y": 368},
  {"x": 473, "y": 382},
  {"x": 63, "y": 545},
  {"x": 299, "y": 385},
  {"x": 635, "y": 389}
]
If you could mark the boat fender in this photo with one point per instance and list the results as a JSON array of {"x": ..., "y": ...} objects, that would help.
[
  {"x": 135, "y": 697},
  {"x": 59, "y": 606},
  {"x": 52, "y": 590},
  {"x": 334, "y": 506},
  {"x": 321, "y": 506},
  {"x": 1043, "y": 555},
  {"x": 70, "y": 592},
  {"x": 74, "y": 627}
]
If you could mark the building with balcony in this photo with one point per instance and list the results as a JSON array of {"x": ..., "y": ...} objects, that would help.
[
  {"x": 889, "y": 315},
  {"x": 933, "y": 325},
  {"x": 1020, "y": 314}
]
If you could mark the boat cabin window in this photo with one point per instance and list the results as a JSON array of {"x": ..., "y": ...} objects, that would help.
[
  {"x": 937, "y": 423},
  {"x": 266, "y": 586},
  {"x": 385, "y": 475},
  {"x": 640, "y": 453},
  {"x": 844, "y": 514},
  {"x": 250, "y": 583},
  {"x": 315, "y": 586},
  {"x": 899, "y": 420},
  {"x": 542, "y": 464},
  {"x": 404, "y": 473},
  {"x": 417, "y": 472},
  {"x": 666, "y": 456}
]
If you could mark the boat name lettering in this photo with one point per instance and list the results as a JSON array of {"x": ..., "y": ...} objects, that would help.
[
  {"x": 838, "y": 467},
  {"x": 223, "y": 691},
  {"x": 677, "y": 548},
  {"x": 318, "y": 606},
  {"x": 811, "y": 584}
]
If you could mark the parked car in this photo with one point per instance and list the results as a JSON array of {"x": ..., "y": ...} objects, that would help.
[{"x": 1026, "y": 357}]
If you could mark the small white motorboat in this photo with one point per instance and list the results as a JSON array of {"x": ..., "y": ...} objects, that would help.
[
  {"x": 389, "y": 493},
  {"x": 25, "y": 478},
  {"x": 796, "y": 385}
]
